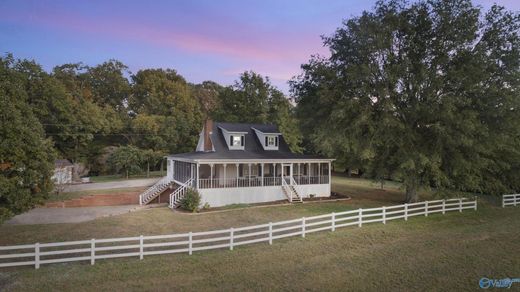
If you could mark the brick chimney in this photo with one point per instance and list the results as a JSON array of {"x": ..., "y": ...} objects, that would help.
[{"x": 208, "y": 128}]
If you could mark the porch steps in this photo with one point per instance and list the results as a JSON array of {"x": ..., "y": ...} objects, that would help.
[
  {"x": 290, "y": 192},
  {"x": 178, "y": 194},
  {"x": 154, "y": 191}
]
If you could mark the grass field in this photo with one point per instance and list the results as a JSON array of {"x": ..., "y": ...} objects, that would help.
[
  {"x": 118, "y": 177},
  {"x": 450, "y": 252}
]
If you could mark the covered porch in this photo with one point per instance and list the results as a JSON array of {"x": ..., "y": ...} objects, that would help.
[{"x": 214, "y": 175}]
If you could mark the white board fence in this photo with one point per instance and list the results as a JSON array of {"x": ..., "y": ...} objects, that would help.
[
  {"x": 139, "y": 246},
  {"x": 510, "y": 200}
]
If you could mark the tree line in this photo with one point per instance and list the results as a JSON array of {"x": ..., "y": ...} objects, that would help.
[{"x": 111, "y": 120}]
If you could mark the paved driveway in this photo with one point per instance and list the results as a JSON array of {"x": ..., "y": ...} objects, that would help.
[
  {"x": 112, "y": 185},
  {"x": 69, "y": 215}
]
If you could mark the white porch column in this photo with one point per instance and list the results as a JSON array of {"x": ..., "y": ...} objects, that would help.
[
  {"x": 308, "y": 173},
  {"x": 211, "y": 175},
  {"x": 197, "y": 182},
  {"x": 237, "y": 173},
  {"x": 249, "y": 174},
  {"x": 319, "y": 172},
  {"x": 225, "y": 175},
  {"x": 262, "y": 168},
  {"x": 330, "y": 171}
]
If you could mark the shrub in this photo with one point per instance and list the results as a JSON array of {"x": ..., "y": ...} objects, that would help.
[{"x": 191, "y": 200}]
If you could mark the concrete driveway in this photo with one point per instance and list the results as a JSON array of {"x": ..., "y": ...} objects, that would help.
[
  {"x": 132, "y": 183},
  {"x": 69, "y": 215}
]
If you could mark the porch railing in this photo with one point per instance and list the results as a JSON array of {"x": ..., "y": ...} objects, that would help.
[{"x": 255, "y": 181}]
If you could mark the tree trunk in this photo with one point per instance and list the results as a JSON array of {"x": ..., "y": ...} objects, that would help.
[
  {"x": 148, "y": 169},
  {"x": 127, "y": 174},
  {"x": 411, "y": 193}
]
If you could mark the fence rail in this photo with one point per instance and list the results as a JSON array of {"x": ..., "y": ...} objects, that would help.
[
  {"x": 510, "y": 200},
  {"x": 139, "y": 246}
]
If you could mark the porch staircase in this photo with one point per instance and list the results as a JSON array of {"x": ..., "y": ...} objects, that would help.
[
  {"x": 179, "y": 193},
  {"x": 155, "y": 190},
  {"x": 290, "y": 191}
]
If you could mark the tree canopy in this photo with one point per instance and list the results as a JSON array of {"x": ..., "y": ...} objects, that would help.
[{"x": 427, "y": 93}]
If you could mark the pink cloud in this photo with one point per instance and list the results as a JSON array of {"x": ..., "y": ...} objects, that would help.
[{"x": 259, "y": 46}]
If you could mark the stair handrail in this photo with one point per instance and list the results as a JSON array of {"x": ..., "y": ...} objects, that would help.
[
  {"x": 180, "y": 190},
  {"x": 286, "y": 187},
  {"x": 295, "y": 185},
  {"x": 144, "y": 196}
]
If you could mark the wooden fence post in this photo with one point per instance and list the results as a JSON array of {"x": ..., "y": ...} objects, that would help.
[
  {"x": 425, "y": 208},
  {"x": 37, "y": 255},
  {"x": 460, "y": 205},
  {"x": 503, "y": 201},
  {"x": 443, "y": 207},
  {"x": 92, "y": 251},
  {"x": 303, "y": 227},
  {"x": 141, "y": 247},
  {"x": 360, "y": 217},
  {"x": 190, "y": 243},
  {"x": 384, "y": 214},
  {"x": 406, "y": 212},
  {"x": 231, "y": 238},
  {"x": 270, "y": 233},
  {"x": 333, "y": 223},
  {"x": 515, "y": 198},
  {"x": 475, "y": 203}
]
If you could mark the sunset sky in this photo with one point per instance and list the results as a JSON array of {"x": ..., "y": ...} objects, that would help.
[{"x": 202, "y": 40}]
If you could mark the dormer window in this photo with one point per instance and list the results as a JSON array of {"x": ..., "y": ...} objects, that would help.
[
  {"x": 271, "y": 141},
  {"x": 236, "y": 141}
]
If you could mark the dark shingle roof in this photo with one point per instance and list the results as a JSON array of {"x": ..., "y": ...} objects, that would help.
[{"x": 253, "y": 148}]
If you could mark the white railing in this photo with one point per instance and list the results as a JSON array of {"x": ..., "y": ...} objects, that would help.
[
  {"x": 295, "y": 188},
  {"x": 510, "y": 200},
  {"x": 179, "y": 193},
  {"x": 256, "y": 181},
  {"x": 154, "y": 190},
  {"x": 139, "y": 246},
  {"x": 287, "y": 190}
]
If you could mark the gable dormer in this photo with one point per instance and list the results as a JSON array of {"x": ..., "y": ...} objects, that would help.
[
  {"x": 270, "y": 140},
  {"x": 235, "y": 140}
]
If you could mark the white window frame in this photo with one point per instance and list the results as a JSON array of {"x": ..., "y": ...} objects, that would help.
[
  {"x": 237, "y": 141},
  {"x": 271, "y": 141}
]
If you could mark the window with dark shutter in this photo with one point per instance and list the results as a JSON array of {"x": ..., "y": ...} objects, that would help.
[
  {"x": 276, "y": 141},
  {"x": 242, "y": 141},
  {"x": 231, "y": 140},
  {"x": 266, "y": 141}
]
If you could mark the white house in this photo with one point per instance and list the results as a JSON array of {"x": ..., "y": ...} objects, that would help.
[
  {"x": 62, "y": 172},
  {"x": 243, "y": 163}
]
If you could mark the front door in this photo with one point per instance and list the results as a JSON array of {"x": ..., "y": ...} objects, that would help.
[{"x": 287, "y": 172}]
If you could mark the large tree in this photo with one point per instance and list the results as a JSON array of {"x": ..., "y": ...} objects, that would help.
[
  {"x": 26, "y": 156},
  {"x": 166, "y": 111},
  {"x": 253, "y": 99},
  {"x": 427, "y": 93}
]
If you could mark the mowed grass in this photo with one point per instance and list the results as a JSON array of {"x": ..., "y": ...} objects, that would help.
[
  {"x": 450, "y": 252},
  {"x": 118, "y": 177}
]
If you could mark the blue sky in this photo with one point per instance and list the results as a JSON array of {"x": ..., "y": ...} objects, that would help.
[{"x": 202, "y": 40}]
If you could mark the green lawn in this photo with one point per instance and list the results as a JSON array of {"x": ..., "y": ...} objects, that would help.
[
  {"x": 450, "y": 252},
  {"x": 117, "y": 177}
]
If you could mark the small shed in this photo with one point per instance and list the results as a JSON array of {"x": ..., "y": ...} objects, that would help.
[{"x": 62, "y": 171}]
